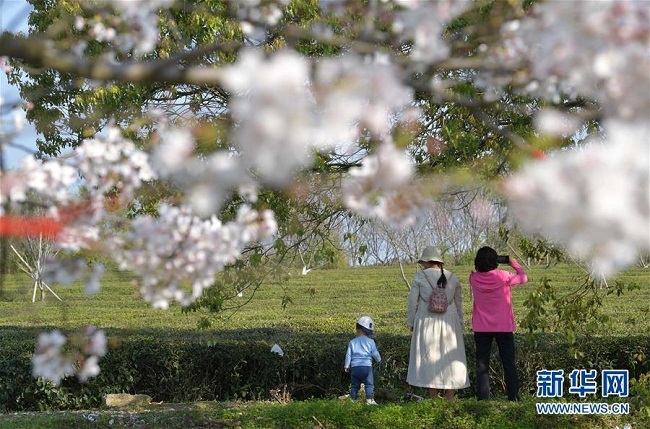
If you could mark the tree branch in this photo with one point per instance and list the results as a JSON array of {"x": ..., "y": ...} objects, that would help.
[{"x": 34, "y": 52}]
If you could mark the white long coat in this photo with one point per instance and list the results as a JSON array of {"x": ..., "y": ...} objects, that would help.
[{"x": 437, "y": 358}]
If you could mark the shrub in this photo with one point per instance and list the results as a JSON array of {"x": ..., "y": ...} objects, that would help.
[
  {"x": 640, "y": 393},
  {"x": 183, "y": 366}
]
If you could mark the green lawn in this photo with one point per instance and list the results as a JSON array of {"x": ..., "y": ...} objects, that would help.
[
  {"x": 465, "y": 414},
  {"x": 327, "y": 301}
]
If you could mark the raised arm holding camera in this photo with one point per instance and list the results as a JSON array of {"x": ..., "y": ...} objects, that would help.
[{"x": 493, "y": 318}]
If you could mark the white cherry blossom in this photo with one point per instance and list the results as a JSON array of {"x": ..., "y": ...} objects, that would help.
[
  {"x": 255, "y": 15},
  {"x": 353, "y": 90},
  {"x": 382, "y": 188},
  {"x": 593, "y": 200},
  {"x": 131, "y": 27},
  {"x": 48, "y": 362},
  {"x": 173, "y": 152},
  {"x": 95, "y": 341},
  {"x": 283, "y": 120},
  {"x": 273, "y": 105},
  {"x": 423, "y": 23},
  {"x": 112, "y": 160},
  {"x": 595, "y": 49},
  {"x": 207, "y": 181},
  {"x": 556, "y": 123},
  {"x": 58, "y": 356},
  {"x": 178, "y": 250},
  {"x": 89, "y": 368}
]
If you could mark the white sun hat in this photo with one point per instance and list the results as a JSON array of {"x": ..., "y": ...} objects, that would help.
[
  {"x": 367, "y": 324},
  {"x": 431, "y": 254}
]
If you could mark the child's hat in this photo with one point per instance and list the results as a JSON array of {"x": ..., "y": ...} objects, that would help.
[{"x": 367, "y": 325}]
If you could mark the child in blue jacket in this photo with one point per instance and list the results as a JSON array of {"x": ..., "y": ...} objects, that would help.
[{"x": 358, "y": 360}]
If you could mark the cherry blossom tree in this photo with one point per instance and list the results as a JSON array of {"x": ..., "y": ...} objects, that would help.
[{"x": 231, "y": 114}]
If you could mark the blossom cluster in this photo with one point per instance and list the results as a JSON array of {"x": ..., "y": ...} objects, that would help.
[
  {"x": 255, "y": 16},
  {"x": 110, "y": 167},
  {"x": 57, "y": 356},
  {"x": 102, "y": 164},
  {"x": 178, "y": 250},
  {"x": 129, "y": 26},
  {"x": 423, "y": 23},
  {"x": 50, "y": 179},
  {"x": 596, "y": 50},
  {"x": 356, "y": 93},
  {"x": 206, "y": 182},
  {"x": 105, "y": 163},
  {"x": 582, "y": 200},
  {"x": 272, "y": 106},
  {"x": 282, "y": 120},
  {"x": 598, "y": 196},
  {"x": 113, "y": 162},
  {"x": 382, "y": 188}
]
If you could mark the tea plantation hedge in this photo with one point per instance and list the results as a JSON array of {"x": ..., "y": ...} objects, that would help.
[{"x": 186, "y": 366}]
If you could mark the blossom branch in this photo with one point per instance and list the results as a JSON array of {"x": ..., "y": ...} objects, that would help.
[{"x": 31, "y": 51}]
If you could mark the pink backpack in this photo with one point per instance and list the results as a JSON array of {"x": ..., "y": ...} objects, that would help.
[{"x": 438, "y": 299}]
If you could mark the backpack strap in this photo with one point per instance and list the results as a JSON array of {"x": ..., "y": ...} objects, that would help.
[{"x": 424, "y": 272}]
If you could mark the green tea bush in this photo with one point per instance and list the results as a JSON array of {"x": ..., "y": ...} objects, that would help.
[
  {"x": 184, "y": 366},
  {"x": 640, "y": 394}
]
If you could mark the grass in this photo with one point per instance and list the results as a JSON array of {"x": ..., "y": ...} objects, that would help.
[
  {"x": 332, "y": 413},
  {"x": 322, "y": 302},
  {"x": 327, "y": 301}
]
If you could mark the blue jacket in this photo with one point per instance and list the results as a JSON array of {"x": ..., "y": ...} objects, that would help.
[{"x": 361, "y": 351}]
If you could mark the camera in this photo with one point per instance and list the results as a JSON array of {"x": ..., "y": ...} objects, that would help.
[{"x": 503, "y": 259}]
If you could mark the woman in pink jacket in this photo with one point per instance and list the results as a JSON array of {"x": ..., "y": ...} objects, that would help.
[{"x": 494, "y": 319}]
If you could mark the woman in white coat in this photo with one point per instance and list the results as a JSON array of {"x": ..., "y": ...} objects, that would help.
[{"x": 437, "y": 359}]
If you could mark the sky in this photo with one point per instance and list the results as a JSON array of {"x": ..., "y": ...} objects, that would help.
[{"x": 13, "y": 17}]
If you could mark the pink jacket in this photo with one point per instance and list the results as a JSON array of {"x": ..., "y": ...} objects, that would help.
[{"x": 492, "y": 310}]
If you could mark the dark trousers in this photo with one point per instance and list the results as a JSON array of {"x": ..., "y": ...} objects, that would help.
[
  {"x": 362, "y": 374},
  {"x": 506, "y": 345}
]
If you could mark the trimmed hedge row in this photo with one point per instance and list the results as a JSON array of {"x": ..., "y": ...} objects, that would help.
[{"x": 185, "y": 367}]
